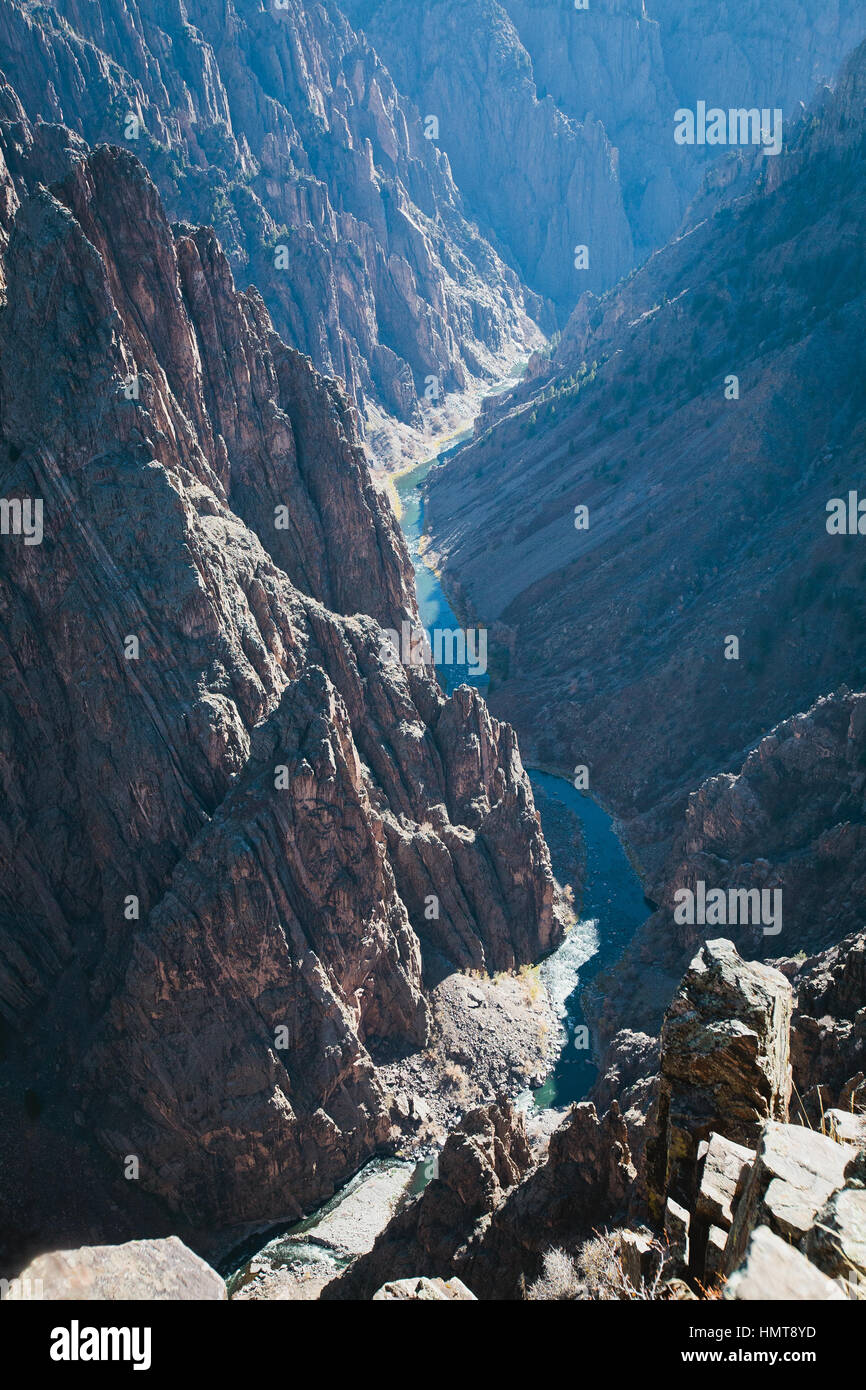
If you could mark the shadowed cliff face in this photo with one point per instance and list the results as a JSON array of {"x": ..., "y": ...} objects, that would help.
[
  {"x": 538, "y": 180},
  {"x": 226, "y": 809},
  {"x": 705, "y": 412},
  {"x": 559, "y": 121},
  {"x": 491, "y": 1211},
  {"x": 283, "y": 130},
  {"x": 789, "y": 823}
]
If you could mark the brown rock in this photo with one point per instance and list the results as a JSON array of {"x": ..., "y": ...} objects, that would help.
[{"x": 224, "y": 837}]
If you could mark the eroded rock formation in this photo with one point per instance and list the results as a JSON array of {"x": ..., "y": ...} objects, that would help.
[
  {"x": 282, "y": 128},
  {"x": 226, "y": 807},
  {"x": 724, "y": 1065}
]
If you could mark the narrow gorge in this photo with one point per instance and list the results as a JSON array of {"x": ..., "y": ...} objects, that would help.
[{"x": 432, "y": 713}]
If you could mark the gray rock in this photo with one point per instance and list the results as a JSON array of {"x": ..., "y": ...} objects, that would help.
[
  {"x": 726, "y": 1166},
  {"x": 140, "y": 1269},
  {"x": 775, "y": 1271},
  {"x": 845, "y": 1127},
  {"x": 836, "y": 1242},
  {"x": 794, "y": 1173},
  {"x": 423, "y": 1290}
]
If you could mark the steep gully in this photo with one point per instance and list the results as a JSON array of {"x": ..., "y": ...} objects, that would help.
[{"x": 612, "y": 908}]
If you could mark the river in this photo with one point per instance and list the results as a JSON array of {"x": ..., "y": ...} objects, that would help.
[
  {"x": 433, "y": 606},
  {"x": 612, "y": 903}
]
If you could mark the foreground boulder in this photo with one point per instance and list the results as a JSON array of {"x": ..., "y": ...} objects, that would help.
[
  {"x": 141, "y": 1269},
  {"x": 424, "y": 1291},
  {"x": 808, "y": 1191},
  {"x": 795, "y": 1171},
  {"x": 776, "y": 1271}
]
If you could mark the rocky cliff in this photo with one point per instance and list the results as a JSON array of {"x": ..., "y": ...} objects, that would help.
[
  {"x": 539, "y": 181},
  {"x": 234, "y": 827},
  {"x": 558, "y": 120},
  {"x": 742, "y": 1203},
  {"x": 790, "y": 823},
  {"x": 645, "y": 524},
  {"x": 281, "y": 128}
]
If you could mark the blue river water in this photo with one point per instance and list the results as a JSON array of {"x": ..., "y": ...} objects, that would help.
[
  {"x": 612, "y": 902},
  {"x": 434, "y": 608},
  {"x": 613, "y": 906}
]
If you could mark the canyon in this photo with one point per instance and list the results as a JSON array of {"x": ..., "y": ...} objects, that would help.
[
  {"x": 446, "y": 886},
  {"x": 284, "y": 131},
  {"x": 610, "y": 646},
  {"x": 558, "y": 121}
]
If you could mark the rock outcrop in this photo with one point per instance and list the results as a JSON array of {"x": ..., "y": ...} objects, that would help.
[
  {"x": 794, "y": 1172},
  {"x": 799, "y": 1229},
  {"x": 491, "y": 1213},
  {"x": 738, "y": 1191},
  {"x": 232, "y": 821},
  {"x": 139, "y": 1270},
  {"x": 724, "y": 1065}
]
